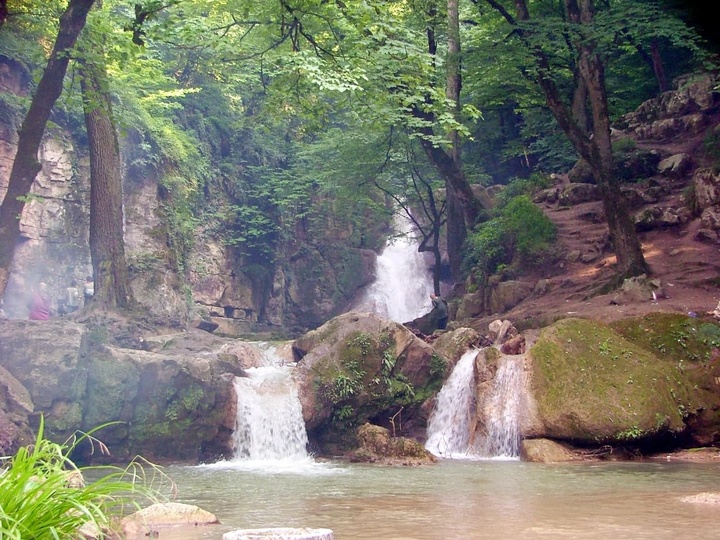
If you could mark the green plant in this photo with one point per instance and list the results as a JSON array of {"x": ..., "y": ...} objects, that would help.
[
  {"x": 624, "y": 145},
  {"x": 43, "y": 494},
  {"x": 345, "y": 384},
  {"x": 520, "y": 234},
  {"x": 388, "y": 362},
  {"x": 438, "y": 365},
  {"x": 363, "y": 342},
  {"x": 630, "y": 434}
]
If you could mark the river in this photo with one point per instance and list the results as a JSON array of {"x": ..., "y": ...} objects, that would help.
[{"x": 456, "y": 499}]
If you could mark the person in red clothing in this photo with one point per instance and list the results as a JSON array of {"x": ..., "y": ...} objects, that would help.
[{"x": 40, "y": 304}]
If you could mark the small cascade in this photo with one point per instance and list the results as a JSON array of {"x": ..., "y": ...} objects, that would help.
[
  {"x": 403, "y": 284},
  {"x": 269, "y": 423},
  {"x": 451, "y": 422},
  {"x": 501, "y": 412}
]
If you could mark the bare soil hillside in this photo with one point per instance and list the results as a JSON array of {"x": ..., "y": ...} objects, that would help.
[{"x": 687, "y": 268}]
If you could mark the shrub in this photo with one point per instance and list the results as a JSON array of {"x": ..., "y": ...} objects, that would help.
[
  {"x": 43, "y": 494},
  {"x": 520, "y": 234}
]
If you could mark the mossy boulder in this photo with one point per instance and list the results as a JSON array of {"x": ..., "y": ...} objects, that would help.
[
  {"x": 377, "y": 445},
  {"x": 359, "y": 368},
  {"x": 594, "y": 386}
]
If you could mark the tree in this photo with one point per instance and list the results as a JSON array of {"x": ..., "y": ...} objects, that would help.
[
  {"x": 107, "y": 245},
  {"x": 592, "y": 144},
  {"x": 26, "y": 165}
]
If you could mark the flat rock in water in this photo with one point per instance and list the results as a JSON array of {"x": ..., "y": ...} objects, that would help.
[{"x": 143, "y": 522}]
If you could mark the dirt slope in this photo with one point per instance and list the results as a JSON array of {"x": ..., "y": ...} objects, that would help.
[{"x": 689, "y": 269}]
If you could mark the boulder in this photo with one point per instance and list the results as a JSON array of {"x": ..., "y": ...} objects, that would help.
[
  {"x": 707, "y": 188},
  {"x": 675, "y": 166},
  {"x": 501, "y": 331},
  {"x": 376, "y": 445},
  {"x": 508, "y": 294},
  {"x": 545, "y": 451},
  {"x": 358, "y": 367},
  {"x": 576, "y": 193},
  {"x": 453, "y": 344},
  {"x": 593, "y": 386}
]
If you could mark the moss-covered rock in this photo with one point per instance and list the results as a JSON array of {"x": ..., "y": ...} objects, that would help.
[
  {"x": 360, "y": 368},
  {"x": 594, "y": 386},
  {"x": 376, "y": 445},
  {"x": 692, "y": 345}
]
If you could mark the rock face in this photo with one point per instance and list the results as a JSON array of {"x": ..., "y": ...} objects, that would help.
[
  {"x": 316, "y": 275},
  {"x": 358, "y": 368},
  {"x": 178, "y": 404}
]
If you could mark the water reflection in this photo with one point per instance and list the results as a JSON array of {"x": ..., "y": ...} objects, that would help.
[{"x": 454, "y": 500}]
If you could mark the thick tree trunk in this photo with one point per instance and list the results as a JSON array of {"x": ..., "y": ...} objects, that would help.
[
  {"x": 107, "y": 246},
  {"x": 26, "y": 165},
  {"x": 595, "y": 149},
  {"x": 462, "y": 206},
  {"x": 628, "y": 250},
  {"x": 457, "y": 222}
]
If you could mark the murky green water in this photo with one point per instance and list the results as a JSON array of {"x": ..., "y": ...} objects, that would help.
[{"x": 457, "y": 500}]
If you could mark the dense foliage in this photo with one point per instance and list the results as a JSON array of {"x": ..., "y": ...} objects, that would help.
[
  {"x": 259, "y": 120},
  {"x": 519, "y": 235}
]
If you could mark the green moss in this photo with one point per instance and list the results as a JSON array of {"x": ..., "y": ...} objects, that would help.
[
  {"x": 592, "y": 384},
  {"x": 673, "y": 337}
]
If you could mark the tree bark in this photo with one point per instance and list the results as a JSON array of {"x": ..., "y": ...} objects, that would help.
[
  {"x": 26, "y": 165},
  {"x": 457, "y": 223},
  {"x": 107, "y": 245},
  {"x": 628, "y": 250}
]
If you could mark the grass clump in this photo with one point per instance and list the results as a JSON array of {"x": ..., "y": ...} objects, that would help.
[{"x": 44, "y": 495}]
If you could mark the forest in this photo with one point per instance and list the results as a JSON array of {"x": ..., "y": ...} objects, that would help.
[
  {"x": 261, "y": 119},
  {"x": 225, "y": 172}
]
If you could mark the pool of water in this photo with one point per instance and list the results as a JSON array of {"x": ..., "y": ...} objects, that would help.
[{"x": 455, "y": 499}]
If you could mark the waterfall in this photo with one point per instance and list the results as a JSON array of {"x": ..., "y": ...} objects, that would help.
[
  {"x": 269, "y": 423},
  {"x": 451, "y": 427},
  {"x": 502, "y": 411},
  {"x": 403, "y": 284},
  {"x": 450, "y": 424}
]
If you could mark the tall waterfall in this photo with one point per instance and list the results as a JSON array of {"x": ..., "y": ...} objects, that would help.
[
  {"x": 403, "y": 284},
  {"x": 269, "y": 423},
  {"x": 452, "y": 424}
]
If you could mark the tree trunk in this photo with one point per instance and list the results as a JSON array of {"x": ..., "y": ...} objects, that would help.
[
  {"x": 107, "y": 246},
  {"x": 628, "y": 250},
  {"x": 658, "y": 66},
  {"x": 462, "y": 206},
  {"x": 596, "y": 149},
  {"x": 26, "y": 165},
  {"x": 457, "y": 223}
]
